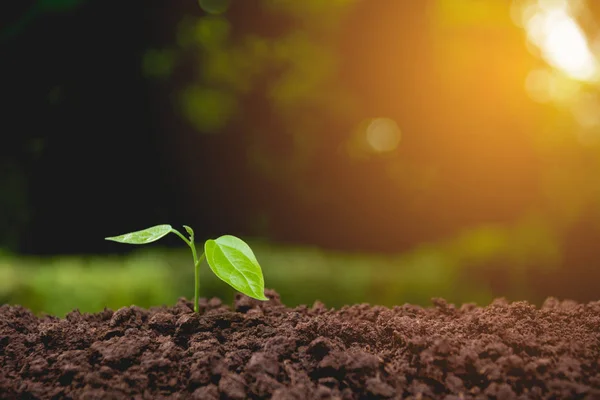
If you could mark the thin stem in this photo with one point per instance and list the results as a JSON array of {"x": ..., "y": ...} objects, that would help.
[
  {"x": 197, "y": 261},
  {"x": 188, "y": 242}
]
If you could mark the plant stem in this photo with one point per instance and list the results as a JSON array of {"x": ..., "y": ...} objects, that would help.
[
  {"x": 197, "y": 261},
  {"x": 196, "y": 275},
  {"x": 188, "y": 242}
]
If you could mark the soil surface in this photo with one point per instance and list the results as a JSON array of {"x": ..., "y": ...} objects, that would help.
[{"x": 265, "y": 350}]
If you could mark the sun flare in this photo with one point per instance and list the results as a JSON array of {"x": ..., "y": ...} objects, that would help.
[{"x": 561, "y": 41}]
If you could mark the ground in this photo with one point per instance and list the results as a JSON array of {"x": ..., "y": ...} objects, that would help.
[{"x": 256, "y": 350}]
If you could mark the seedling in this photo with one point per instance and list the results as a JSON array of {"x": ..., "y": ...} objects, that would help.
[{"x": 229, "y": 257}]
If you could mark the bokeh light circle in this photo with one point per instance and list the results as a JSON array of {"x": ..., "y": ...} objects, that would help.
[{"x": 383, "y": 135}]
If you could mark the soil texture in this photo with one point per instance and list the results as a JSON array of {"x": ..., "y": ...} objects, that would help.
[{"x": 260, "y": 350}]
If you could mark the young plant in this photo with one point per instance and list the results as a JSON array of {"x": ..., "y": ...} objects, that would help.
[{"x": 229, "y": 257}]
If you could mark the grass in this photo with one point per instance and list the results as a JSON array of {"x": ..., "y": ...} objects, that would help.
[{"x": 155, "y": 276}]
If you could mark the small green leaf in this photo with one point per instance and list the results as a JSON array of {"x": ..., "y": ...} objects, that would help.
[
  {"x": 144, "y": 236},
  {"x": 232, "y": 260},
  {"x": 189, "y": 230}
]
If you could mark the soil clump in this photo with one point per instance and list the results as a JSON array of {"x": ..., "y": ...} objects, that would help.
[{"x": 261, "y": 350}]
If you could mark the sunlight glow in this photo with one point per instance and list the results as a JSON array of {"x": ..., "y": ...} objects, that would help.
[
  {"x": 560, "y": 39},
  {"x": 383, "y": 135},
  {"x": 587, "y": 111},
  {"x": 546, "y": 85}
]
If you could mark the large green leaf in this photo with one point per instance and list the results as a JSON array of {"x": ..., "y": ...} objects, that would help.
[
  {"x": 232, "y": 260},
  {"x": 144, "y": 236}
]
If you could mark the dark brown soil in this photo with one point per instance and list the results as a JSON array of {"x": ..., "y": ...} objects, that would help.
[{"x": 265, "y": 350}]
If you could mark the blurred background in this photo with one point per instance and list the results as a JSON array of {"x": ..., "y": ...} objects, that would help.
[{"x": 381, "y": 151}]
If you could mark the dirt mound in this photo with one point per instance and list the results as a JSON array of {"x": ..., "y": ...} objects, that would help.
[{"x": 266, "y": 350}]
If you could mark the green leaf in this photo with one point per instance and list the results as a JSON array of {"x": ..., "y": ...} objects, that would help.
[
  {"x": 232, "y": 260},
  {"x": 189, "y": 230},
  {"x": 144, "y": 236}
]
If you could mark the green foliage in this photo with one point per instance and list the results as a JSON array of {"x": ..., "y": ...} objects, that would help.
[
  {"x": 296, "y": 72},
  {"x": 211, "y": 32},
  {"x": 232, "y": 260},
  {"x": 229, "y": 257},
  {"x": 189, "y": 230},
  {"x": 461, "y": 269},
  {"x": 143, "y": 236},
  {"x": 56, "y": 285},
  {"x": 208, "y": 109}
]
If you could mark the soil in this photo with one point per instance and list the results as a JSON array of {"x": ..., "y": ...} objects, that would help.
[{"x": 257, "y": 350}]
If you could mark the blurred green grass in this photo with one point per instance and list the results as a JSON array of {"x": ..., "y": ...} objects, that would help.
[{"x": 460, "y": 270}]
